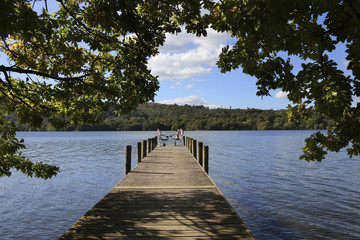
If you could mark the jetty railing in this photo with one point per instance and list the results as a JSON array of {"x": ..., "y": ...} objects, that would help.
[
  {"x": 142, "y": 150},
  {"x": 197, "y": 149}
]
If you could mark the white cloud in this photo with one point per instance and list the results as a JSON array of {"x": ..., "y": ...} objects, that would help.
[
  {"x": 190, "y": 100},
  {"x": 214, "y": 40},
  {"x": 281, "y": 94},
  {"x": 185, "y": 55},
  {"x": 189, "y": 86},
  {"x": 176, "y": 42},
  {"x": 173, "y": 72}
]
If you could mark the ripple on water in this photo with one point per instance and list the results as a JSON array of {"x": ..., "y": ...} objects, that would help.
[{"x": 277, "y": 196}]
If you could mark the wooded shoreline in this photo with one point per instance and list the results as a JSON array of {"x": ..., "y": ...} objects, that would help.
[{"x": 151, "y": 116}]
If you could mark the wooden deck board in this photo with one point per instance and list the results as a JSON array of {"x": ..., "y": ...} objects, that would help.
[{"x": 166, "y": 196}]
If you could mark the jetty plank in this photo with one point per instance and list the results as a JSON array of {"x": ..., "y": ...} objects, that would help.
[{"x": 166, "y": 196}]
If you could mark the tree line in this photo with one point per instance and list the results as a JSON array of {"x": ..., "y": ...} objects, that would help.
[{"x": 149, "y": 117}]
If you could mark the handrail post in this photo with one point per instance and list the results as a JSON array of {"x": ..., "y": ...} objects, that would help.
[
  {"x": 138, "y": 150},
  {"x": 144, "y": 149},
  {"x": 191, "y": 145},
  {"x": 149, "y": 145},
  {"x": 194, "y": 149},
  {"x": 200, "y": 153},
  {"x": 206, "y": 159},
  {"x": 127, "y": 159}
]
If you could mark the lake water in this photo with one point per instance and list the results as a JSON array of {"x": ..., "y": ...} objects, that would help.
[{"x": 276, "y": 195}]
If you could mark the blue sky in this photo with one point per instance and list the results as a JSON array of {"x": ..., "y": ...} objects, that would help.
[{"x": 188, "y": 74}]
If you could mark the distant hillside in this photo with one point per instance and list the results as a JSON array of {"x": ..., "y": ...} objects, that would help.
[{"x": 171, "y": 117}]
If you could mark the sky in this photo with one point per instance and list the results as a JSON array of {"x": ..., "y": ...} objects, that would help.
[{"x": 188, "y": 74}]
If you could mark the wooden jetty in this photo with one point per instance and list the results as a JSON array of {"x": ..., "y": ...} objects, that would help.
[{"x": 167, "y": 195}]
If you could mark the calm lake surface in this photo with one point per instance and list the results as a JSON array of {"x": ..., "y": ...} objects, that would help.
[{"x": 276, "y": 195}]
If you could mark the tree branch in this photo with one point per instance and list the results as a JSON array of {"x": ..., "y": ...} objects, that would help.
[
  {"x": 10, "y": 87},
  {"x": 46, "y": 75},
  {"x": 7, "y": 79}
]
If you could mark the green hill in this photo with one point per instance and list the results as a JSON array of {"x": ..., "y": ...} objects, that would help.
[{"x": 151, "y": 116}]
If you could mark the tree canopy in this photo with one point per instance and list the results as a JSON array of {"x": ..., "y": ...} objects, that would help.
[
  {"x": 309, "y": 30},
  {"x": 88, "y": 56},
  {"x": 72, "y": 65}
]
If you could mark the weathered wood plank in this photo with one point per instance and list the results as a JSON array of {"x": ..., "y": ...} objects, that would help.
[{"x": 166, "y": 196}]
